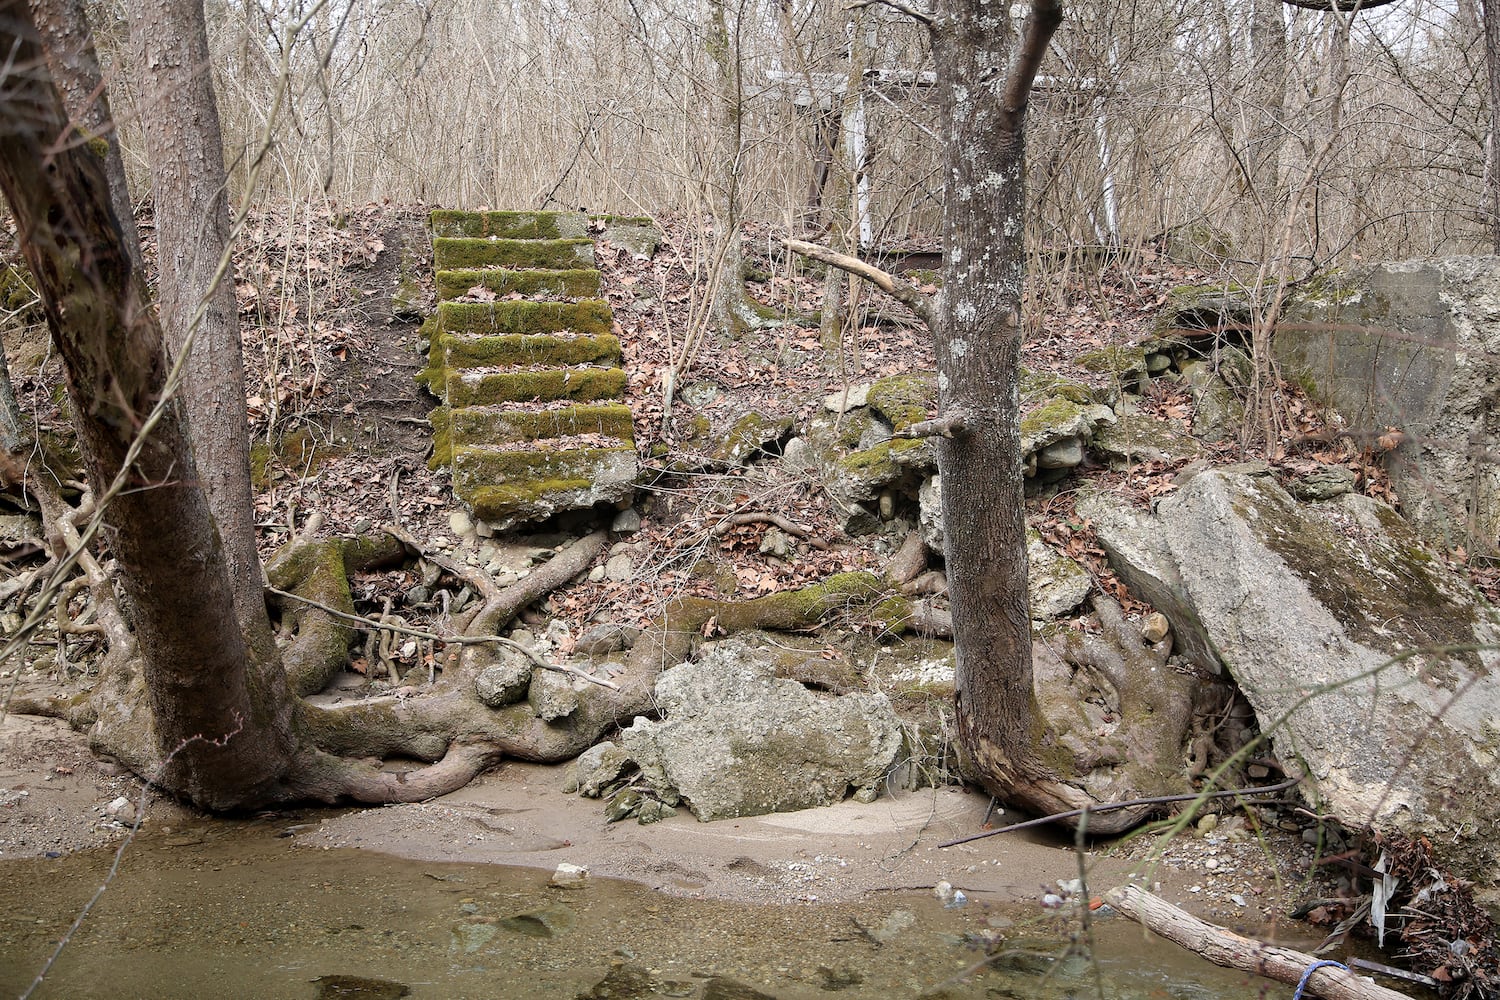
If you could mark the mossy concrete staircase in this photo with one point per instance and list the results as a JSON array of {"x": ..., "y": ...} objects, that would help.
[{"x": 530, "y": 376}]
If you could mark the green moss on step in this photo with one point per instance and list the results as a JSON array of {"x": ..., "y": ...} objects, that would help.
[
  {"x": 592, "y": 316},
  {"x": 454, "y": 254},
  {"x": 574, "y": 283},
  {"x": 508, "y": 225},
  {"x": 477, "y": 468},
  {"x": 441, "y": 420},
  {"x": 500, "y": 502},
  {"x": 904, "y": 399},
  {"x": 500, "y": 428},
  {"x": 579, "y": 384},
  {"x": 487, "y": 352}
]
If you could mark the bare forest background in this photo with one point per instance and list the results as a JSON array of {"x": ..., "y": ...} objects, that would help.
[{"x": 1237, "y": 131}]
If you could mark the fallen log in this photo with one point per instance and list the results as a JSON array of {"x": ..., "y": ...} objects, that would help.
[{"x": 1232, "y": 951}]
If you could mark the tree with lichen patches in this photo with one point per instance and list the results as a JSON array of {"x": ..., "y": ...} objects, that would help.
[{"x": 985, "y": 75}]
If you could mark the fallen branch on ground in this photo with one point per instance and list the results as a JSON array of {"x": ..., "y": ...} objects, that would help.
[{"x": 1232, "y": 951}]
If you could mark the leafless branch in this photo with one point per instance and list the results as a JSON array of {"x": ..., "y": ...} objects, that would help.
[
  {"x": 1043, "y": 20},
  {"x": 946, "y": 426},
  {"x": 922, "y": 16},
  {"x": 900, "y": 289},
  {"x": 1342, "y": 6}
]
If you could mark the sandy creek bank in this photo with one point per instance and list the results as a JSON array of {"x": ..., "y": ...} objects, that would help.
[{"x": 250, "y": 889}]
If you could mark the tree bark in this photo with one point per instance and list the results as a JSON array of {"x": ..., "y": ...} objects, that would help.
[
  {"x": 74, "y": 65},
  {"x": 225, "y": 744},
  {"x": 978, "y": 340},
  {"x": 1492, "y": 65},
  {"x": 196, "y": 293}
]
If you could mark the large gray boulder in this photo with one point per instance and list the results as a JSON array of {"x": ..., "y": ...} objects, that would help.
[
  {"x": 1363, "y": 656},
  {"x": 736, "y": 741},
  {"x": 1414, "y": 345}
]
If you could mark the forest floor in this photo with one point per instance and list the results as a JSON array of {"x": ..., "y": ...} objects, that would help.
[{"x": 341, "y": 433}]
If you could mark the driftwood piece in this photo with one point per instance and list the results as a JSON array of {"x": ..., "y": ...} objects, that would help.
[{"x": 1232, "y": 951}]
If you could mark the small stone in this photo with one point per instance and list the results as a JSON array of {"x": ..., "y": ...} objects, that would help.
[
  {"x": 887, "y": 506},
  {"x": 619, "y": 568},
  {"x": 361, "y": 525},
  {"x": 626, "y": 522},
  {"x": 653, "y": 811},
  {"x": 460, "y": 523},
  {"x": 1212, "y": 864},
  {"x": 484, "y": 529},
  {"x": 626, "y": 802},
  {"x": 843, "y": 402},
  {"x": 418, "y": 595},
  {"x": 1258, "y": 771},
  {"x": 944, "y": 891},
  {"x": 1238, "y": 900},
  {"x": 1064, "y": 454},
  {"x": 122, "y": 811},
  {"x": 1208, "y": 824},
  {"x": 797, "y": 455},
  {"x": 1155, "y": 628},
  {"x": 775, "y": 543},
  {"x": 866, "y": 795},
  {"x": 596, "y": 574},
  {"x": 569, "y": 876},
  {"x": 1158, "y": 362}
]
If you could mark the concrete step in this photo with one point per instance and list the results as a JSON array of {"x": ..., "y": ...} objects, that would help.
[
  {"x": 493, "y": 425},
  {"x": 580, "y": 385},
  {"x": 509, "y": 225},
  {"x": 506, "y": 487},
  {"x": 523, "y": 351},
  {"x": 465, "y": 253},
  {"x": 577, "y": 283},
  {"x": 591, "y": 316}
]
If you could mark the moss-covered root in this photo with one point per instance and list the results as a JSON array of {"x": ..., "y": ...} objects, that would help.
[
  {"x": 319, "y": 571},
  {"x": 787, "y": 611}
]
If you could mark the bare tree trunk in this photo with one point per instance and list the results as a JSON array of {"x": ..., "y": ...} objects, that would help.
[
  {"x": 74, "y": 66},
  {"x": 978, "y": 340},
  {"x": 227, "y": 744},
  {"x": 1492, "y": 63},
  {"x": 729, "y": 312},
  {"x": 186, "y": 150}
]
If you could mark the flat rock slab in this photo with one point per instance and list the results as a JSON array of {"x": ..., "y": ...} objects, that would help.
[{"x": 1363, "y": 656}]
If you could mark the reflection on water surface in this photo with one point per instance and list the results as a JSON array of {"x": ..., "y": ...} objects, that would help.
[{"x": 238, "y": 913}]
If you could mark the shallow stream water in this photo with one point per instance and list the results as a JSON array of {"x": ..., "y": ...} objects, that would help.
[{"x": 238, "y": 912}]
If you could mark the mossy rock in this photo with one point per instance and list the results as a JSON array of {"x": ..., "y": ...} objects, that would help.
[
  {"x": 508, "y": 225},
  {"x": 904, "y": 399},
  {"x": 636, "y": 233},
  {"x": 504, "y": 352},
  {"x": 1204, "y": 307},
  {"x": 1124, "y": 365},
  {"x": 751, "y": 434},
  {"x": 457, "y": 253},
  {"x": 591, "y": 316},
  {"x": 898, "y": 464},
  {"x": 1133, "y": 438},
  {"x": 574, "y": 283},
  {"x": 500, "y": 427},
  {"x": 1036, "y": 386},
  {"x": 581, "y": 385}
]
